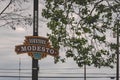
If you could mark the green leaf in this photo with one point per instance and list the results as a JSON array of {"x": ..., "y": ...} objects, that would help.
[{"x": 80, "y": 26}]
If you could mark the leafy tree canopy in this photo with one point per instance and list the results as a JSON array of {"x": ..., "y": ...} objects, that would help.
[{"x": 83, "y": 27}]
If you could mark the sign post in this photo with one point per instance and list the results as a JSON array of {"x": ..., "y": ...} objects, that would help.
[
  {"x": 35, "y": 67},
  {"x": 117, "y": 52}
]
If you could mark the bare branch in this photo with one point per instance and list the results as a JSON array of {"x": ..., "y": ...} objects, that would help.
[
  {"x": 95, "y": 6},
  {"x": 6, "y": 7},
  {"x": 117, "y": 1}
]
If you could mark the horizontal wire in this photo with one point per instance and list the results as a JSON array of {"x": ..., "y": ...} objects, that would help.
[
  {"x": 59, "y": 76},
  {"x": 65, "y": 74},
  {"x": 59, "y": 72},
  {"x": 53, "y": 68},
  {"x": 47, "y": 71}
]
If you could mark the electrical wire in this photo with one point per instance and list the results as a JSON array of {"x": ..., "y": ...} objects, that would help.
[
  {"x": 59, "y": 76},
  {"x": 52, "y": 73}
]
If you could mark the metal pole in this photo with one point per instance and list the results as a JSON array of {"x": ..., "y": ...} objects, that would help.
[
  {"x": 84, "y": 71},
  {"x": 35, "y": 67},
  {"x": 117, "y": 51},
  {"x": 19, "y": 68}
]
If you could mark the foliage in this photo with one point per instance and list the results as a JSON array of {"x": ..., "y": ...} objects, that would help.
[{"x": 81, "y": 27}]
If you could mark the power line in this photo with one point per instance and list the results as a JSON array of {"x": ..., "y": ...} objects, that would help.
[
  {"x": 51, "y": 68},
  {"x": 59, "y": 77},
  {"x": 62, "y": 73}
]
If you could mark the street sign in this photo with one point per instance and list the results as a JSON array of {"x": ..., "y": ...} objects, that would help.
[
  {"x": 36, "y": 40},
  {"x": 36, "y": 46}
]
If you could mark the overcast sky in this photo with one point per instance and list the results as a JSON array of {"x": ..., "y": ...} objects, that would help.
[{"x": 10, "y": 60}]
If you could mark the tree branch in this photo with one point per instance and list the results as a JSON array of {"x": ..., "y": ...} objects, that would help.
[
  {"x": 6, "y": 7},
  {"x": 95, "y": 6}
]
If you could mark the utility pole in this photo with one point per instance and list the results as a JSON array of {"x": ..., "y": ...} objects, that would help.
[
  {"x": 85, "y": 72},
  {"x": 35, "y": 67},
  {"x": 117, "y": 52}
]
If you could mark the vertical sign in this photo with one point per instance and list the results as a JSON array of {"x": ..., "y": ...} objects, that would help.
[
  {"x": 35, "y": 67},
  {"x": 35, "y": 18}
]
